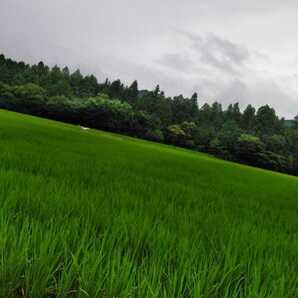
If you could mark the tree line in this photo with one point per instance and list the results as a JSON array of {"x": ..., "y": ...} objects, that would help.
[{"x": 253, "y": 136}]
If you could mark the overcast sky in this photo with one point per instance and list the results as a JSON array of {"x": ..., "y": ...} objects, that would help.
[{"x": 226, "y": 50}]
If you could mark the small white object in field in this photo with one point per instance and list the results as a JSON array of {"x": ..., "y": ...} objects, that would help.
[{"x": 84, "y": 128}]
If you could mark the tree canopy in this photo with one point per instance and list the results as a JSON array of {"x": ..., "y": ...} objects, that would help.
[{"x": 255, "y": 136}]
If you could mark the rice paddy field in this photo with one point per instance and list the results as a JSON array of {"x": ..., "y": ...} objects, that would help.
[{"x": 85, "y": 213}]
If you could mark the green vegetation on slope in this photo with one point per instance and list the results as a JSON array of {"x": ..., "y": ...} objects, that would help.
[
  {"x": 92, "y": 214},
  {"x": 257, "y": 137}
]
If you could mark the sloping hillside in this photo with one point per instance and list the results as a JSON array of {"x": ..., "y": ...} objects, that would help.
[{"x": 86, "y": 213}]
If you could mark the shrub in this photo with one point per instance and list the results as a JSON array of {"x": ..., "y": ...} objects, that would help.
[
  {"x": 248, "y": 148},
  {"x": 29, "y": 92}
]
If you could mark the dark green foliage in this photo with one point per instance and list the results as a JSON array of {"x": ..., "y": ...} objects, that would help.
[
  {"x": 6, "y": 91},
  {"x": 29, "y": 92},
  {"x": 229, "y": 134},
  {"x": 176, "y": 135},
  {"x": 249, "y": 148},
  {"x": 72, "y": 97},
  {"x": 183, "y": 134},
  {"x": 233, "y": 113},
  {"x": 212, "y": 116},
  {"x": 184, "y": 109},
  {"x": 76, "y": 80},
  {"x": 248, "y": 119},
  {"x": 155, "y": 104},
  {"x": 131, "y": 93},
  {"x": 147, "y": 126},
  {"x": 267, "y": 123},
  {"x": 277, "y": 143},
  {"x": 116, "y": 89},
  {"x": 203, "y": 136},
  {"x": 295, "y": 122}
]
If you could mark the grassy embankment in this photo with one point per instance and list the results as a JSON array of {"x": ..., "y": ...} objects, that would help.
[{"x": 93, "y": 214}]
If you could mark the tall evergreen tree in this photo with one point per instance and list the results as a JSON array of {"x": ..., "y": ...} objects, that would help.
[
  {"x": 132, "y": 93},
  {"x": 267, "y": 122},
  {"x": 248, "y": 119},
  {"x": 296, "y": 121}
]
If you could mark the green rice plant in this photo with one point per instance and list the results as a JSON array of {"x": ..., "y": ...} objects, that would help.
[{"x": 85, "y": 213}]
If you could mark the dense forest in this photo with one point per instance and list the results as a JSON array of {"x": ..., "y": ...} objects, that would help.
[{"x": 253, "y": 136}]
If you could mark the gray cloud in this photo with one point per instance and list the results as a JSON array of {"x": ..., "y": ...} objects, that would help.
[
  {"x": 218, "y": 52},
  {"x": 229, "y": 50},
  {"x": 258, "y": 93},
  {"x": 177, "y": 62}
]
